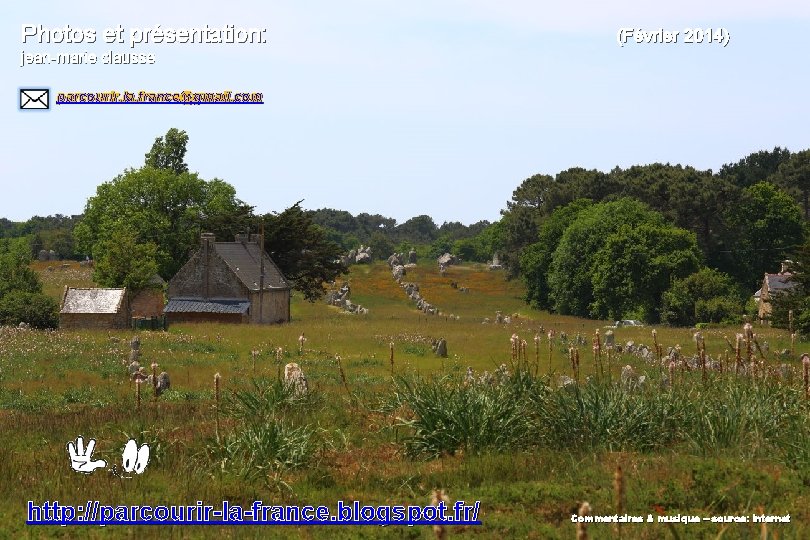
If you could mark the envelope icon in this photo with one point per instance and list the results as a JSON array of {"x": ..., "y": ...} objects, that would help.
[{"x": 35, "y": 99}]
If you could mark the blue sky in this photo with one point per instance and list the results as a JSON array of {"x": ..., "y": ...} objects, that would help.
[{"x": 407, "y": 108}]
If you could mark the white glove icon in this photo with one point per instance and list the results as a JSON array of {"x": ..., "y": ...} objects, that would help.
[{"x": 81, "y": 459}]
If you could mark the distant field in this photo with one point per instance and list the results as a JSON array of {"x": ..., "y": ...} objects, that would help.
[
  {"x": 55, "y": 275},
  {"x": 531, "y": 453}
]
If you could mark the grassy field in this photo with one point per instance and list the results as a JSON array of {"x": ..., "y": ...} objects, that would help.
[{"x": 531, "y": 452}]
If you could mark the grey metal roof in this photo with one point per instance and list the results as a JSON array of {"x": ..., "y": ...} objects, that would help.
[
  {"x": 779, "y": 282},
  {"x": 200, "y": 305},
  {"x": 243, "y": 259},
  {"x": 92, "y": 300}
]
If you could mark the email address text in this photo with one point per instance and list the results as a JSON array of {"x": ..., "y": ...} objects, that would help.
[{"x": 186, "y": 97}]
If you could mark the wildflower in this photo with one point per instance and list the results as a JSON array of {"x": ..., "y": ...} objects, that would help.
[
  {"x": 582, "y": 527},
  {"x": 436, "y": 497}
]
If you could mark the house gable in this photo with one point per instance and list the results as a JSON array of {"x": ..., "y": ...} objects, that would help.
[
  {"x": 221, "y": 282},
  {"x": 243, "y": 259}
]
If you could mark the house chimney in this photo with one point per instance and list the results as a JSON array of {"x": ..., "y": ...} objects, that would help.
[
  {"x": 206, "y": 243},
  {"x": 241, "y": 237},
  {"x": 785, "y": 267},
  {"x": 206, "y": 239}
]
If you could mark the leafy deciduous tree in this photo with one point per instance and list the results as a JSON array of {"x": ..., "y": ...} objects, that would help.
[{"x": 169, "y": 152}]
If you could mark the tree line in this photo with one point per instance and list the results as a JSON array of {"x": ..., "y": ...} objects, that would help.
[{"x": 659, "y": 242}]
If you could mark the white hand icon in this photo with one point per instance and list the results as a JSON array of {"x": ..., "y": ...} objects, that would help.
[{"x": 80, "y": 459}]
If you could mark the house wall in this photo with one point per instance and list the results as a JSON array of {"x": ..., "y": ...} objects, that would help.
[
  {"x": 147, "y": 303},
  {"x": 107, "y": 321},
  {"x": 222, "y": 283},
  {"x": 275, "y": 307}
]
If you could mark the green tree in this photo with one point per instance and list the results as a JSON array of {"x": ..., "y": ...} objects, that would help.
[
  {"x": 21, "y": 298},
  {"x": 770, "y": 228},
  {"x": 302, "y": 251},
  {"x": 578, "y": 183},
  {"x": 440, "y": 246},
  {"x": 755, "y": 167},
  {"x": 419, "y": 230},
  {"x": 518, "y": 223},
  {"x": 636, "y": 264},
  {"x": 535, "y": 261},
  {"x": 532, "y": 193},
  {"x": 796, "y": 299},
  {"x": 517, "y": 230},
  {"x": 169, "y": 152},
  {"x": 15, "y": 270},
  {"x": 569, "y": 278},
  {"x": 794, "y": 174},
  {"x": 381, "y": 246},
  {"x": 705, "y": 296},
  {"x": 125, "y": 262},
  {"x": 161, "y": 207}
]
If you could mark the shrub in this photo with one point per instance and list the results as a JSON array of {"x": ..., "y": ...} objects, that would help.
[
  {"x": 36, "y": 309},
  {"x": 705, "y": 296}
]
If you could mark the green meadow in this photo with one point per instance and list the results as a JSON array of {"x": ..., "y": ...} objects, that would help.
[{"x": 387, "y": 422}]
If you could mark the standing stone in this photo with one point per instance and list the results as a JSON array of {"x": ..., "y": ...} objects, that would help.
[
  {"x": 610, "y": 339},
  {"x": 412, "y": 257},
  {"x": 447, "y": 259},
  {"x": 441, "y": 348},
  {"x": 294, "y": 377},
  {"x": 163, "y": 382}
]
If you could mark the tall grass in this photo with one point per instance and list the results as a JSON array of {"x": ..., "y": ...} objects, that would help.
[
  {"x": 601, "y": 415},
  {"x": 726, "y": 416},
  {"x": 446, "y": 417},
  {"x": 259, "y": 450},
  {"x": 266, "y": 436},
  {"x": 265, "y": 399}
]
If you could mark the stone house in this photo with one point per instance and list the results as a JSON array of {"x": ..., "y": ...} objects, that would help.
[
  {"x": 233, "y": 282},
  {"x": 772, "y": 284},
  {"x": 94, "y": 308}
]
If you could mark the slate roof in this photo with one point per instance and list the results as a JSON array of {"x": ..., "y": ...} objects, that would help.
[
  {"x": 200, "y": 305},
  {"x": 92, "y": 300},
  {"x": 779, "y": 282},
  {"x": 243, "y": 259}
]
